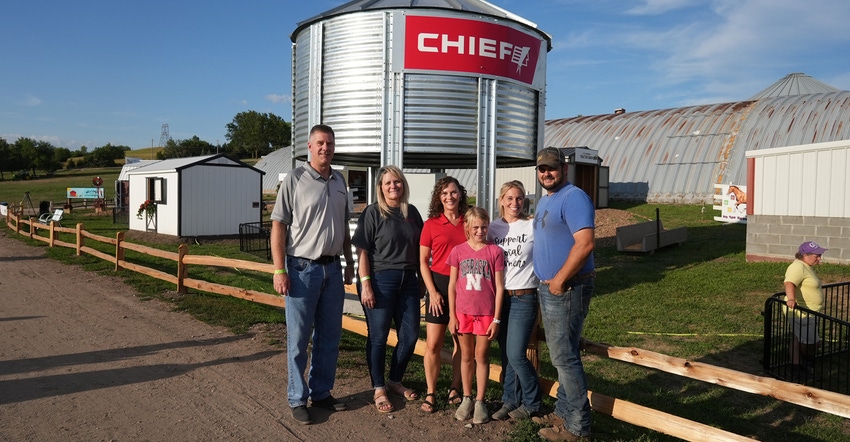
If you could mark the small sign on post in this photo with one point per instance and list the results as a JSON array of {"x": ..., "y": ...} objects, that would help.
[{"x": 733, "y": 203}]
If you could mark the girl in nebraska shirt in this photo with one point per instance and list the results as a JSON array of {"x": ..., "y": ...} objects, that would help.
[{"x": 476, "y": 288}]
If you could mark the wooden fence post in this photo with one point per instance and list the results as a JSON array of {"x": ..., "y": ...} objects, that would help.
[
  {"x": 52, "y": 236},
  {"x": 80, "y": 239},
  {"x": 119, "y": 250},
  {"x": 182, "y": 270}
]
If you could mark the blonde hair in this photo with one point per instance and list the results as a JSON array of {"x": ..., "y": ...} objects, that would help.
[
  {"x": 474, "y": 213},
  {"x": 515, "y": 184},
  {"x": 383, "y": 207}
]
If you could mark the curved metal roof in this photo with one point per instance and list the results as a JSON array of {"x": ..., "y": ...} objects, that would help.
[
  {"x": 677, "y": 155},
  {"x": 275, "y": 163},
  {"x": 472, "y": 6}
]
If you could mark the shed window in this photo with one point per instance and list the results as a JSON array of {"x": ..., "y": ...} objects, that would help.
[{"x": 156, "y": 189}]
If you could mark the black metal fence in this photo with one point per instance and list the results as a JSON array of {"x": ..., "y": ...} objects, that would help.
[
  {"x": 255, "y": 238},
  {"x": 120, "y": 215},
  {"x": 824, "y": 365}
]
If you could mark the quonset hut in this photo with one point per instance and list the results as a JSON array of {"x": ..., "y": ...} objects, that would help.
[
  {"x": 422, "y": 83},
  {"x": 678, "y": 155}
]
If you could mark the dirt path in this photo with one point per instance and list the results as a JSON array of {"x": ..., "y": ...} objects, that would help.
[{"x": 83, "y": 359}]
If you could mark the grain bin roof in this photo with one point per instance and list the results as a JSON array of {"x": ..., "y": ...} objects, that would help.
[
  {"x": 471, "y": 6},
  {"x": 797, "y": 83}
]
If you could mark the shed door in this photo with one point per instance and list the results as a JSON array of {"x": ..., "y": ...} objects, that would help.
[{"x": 586, "y": 179}]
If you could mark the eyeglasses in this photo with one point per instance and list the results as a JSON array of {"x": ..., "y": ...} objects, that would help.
[{"x": 816, "y": 255}]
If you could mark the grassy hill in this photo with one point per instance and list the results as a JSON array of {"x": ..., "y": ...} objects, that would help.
[{"x": 148, "y": 153}]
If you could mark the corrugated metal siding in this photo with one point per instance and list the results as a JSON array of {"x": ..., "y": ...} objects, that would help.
[
  {"x": 214, "y": 200},
  {"x": 353, "y": 82},
  {"x": 657, "y": 155},
  {"x": 442, "y": 119},
  {"x": 338, "y": 80},
  {"x": 802, "y": 119},
  {"x": 274, "y": 164},
  {"x": 442, "y": 116},
  {"x": 301, "y": 67},
  {"x": 516, "y": 122},
  {"x": 677, "y": 155}
]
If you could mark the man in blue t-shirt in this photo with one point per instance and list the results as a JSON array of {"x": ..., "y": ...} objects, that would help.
[{"x": 563, "y": 260}]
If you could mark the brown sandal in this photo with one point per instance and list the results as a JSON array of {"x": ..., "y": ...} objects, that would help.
[
  {"x": 455, "y": 397},
  {"x": 382, "y": 403},
  {"x": 428, "y": 406},
  {"x": 400, "y": 390}
]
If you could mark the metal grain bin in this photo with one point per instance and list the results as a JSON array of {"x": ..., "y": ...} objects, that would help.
[{"x": 429, "y": 84}]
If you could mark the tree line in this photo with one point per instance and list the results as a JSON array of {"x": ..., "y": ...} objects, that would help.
[{"x": 250, "y": 135}]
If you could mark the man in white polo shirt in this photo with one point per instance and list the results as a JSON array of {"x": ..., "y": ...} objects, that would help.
[{"x": 309, "y": 231}]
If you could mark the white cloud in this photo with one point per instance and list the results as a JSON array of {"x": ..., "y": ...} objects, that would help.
[
  {"x": 274, "y": 98},
  {"x": 727, "y": 48},
  {"x": 52, "y": 139},
  {"x": 10, "y": 137},
  {"x": 31, "y": 100},
  {"x": 651, "y": 7}
]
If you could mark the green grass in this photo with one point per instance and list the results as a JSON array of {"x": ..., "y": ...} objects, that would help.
[
  {"x": 54, "y": 189},
  {"x": 701, "y": 301},
  {"x": 147, "y": 153}
]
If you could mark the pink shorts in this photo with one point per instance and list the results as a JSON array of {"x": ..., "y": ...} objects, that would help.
[{"x": 475, "y": 324}]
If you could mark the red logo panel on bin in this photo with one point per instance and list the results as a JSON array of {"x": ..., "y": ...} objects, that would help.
[{"x": 454, "y": 44}]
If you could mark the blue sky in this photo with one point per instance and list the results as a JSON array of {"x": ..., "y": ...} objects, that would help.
[{"x": 95, "y": 72}]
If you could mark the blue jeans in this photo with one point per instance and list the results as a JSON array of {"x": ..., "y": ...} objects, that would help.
[
  {"x": 396, "y": 300},
  {"x": 563, "y": 319},
  {"x": 521, "y": 385},
  {"x": 313, "y": 307}
]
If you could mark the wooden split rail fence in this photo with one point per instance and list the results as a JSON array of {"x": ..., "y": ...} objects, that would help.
[{"x": 822, "y": 400}]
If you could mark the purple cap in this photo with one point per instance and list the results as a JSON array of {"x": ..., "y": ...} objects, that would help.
[{"x": 811, "y": 247}]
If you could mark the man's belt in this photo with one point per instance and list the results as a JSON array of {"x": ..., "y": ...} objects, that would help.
[
  {"x": 326, "y": 259},
  {"x": 520, "y": 292}
]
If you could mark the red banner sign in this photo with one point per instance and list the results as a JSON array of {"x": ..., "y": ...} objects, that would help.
[{"x": 454, "y": 44}]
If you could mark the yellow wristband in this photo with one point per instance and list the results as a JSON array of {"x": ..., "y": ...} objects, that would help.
[
  {"x": 280, "y": 271},
  {"x": 365, "y": 278}
]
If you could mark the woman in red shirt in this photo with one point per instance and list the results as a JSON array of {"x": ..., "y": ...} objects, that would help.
[{"x": 442, "y": 231}]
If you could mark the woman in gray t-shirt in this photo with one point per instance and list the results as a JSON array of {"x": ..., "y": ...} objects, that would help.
[{"x": 387, "y": 241}]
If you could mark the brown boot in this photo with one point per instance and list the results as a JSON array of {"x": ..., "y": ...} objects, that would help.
[
  {"x": 551, "y": 420},
  {"x": 560, "y": 433}
]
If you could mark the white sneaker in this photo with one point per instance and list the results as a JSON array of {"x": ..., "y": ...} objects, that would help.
[
  {"x": 464, "y": 411},
  {"x": 482, "y": 415}
]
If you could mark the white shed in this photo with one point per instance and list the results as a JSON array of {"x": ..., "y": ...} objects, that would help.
[
  {"x": 197, "y": 196},
  {"x": 796, "y": 194}
]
